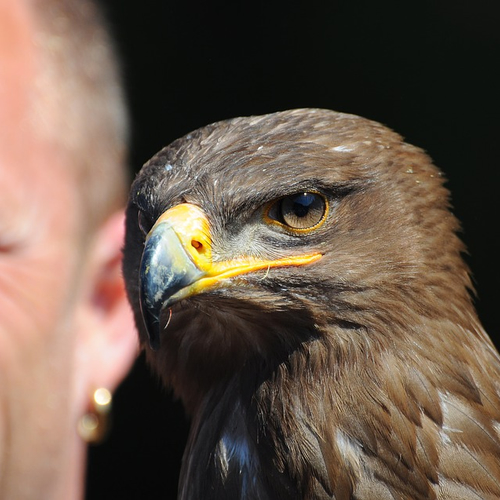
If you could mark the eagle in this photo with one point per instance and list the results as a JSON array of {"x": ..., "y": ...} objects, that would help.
[{"x": 298, "y": 282}]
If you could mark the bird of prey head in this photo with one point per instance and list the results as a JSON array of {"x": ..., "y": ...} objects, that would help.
[{"x": 297, "y": 280}]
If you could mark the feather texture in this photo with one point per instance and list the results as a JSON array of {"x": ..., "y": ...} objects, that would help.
[{"x": 365, "y": 375}]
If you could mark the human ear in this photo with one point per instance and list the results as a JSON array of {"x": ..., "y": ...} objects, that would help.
[{"x": 106, "y": 333}]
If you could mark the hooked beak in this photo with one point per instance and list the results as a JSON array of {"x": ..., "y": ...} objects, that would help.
[{"x": 177, "y": 263}]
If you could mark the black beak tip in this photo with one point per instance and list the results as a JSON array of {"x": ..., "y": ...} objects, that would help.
[{"x": 165, "y": 269}]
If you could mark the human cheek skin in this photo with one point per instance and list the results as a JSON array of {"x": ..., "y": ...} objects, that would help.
[
  {"x": 29, "y": 298},
  {"x": 36, "y": 285},
  {"x": 37, "y": 255}
]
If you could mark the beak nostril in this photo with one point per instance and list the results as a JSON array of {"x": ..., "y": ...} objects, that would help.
[{"x": 196, "y": 244}]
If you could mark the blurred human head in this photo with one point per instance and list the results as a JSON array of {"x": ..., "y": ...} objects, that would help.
[
  {"x": 65, "y": 326},
  {"x": 78, "y": 103}
]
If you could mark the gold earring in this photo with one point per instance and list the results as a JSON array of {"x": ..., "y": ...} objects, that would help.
[{"x": 94, "y": 425}]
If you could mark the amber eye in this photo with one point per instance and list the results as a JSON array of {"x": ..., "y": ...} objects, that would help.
[{"x": 301, "y": 211}]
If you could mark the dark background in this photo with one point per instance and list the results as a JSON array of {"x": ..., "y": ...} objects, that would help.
[{"x": 427, "y": 69}]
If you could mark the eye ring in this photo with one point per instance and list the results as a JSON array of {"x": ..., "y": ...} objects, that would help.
[{"x": 301, "y": 212}]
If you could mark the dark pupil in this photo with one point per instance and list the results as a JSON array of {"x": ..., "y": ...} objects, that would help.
[
  {"x": 302, "y": 211},
  {"x": 302, "y": 203}
]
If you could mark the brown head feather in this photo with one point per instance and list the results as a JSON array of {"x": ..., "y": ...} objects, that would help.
[{"x": 365, "y": 375}]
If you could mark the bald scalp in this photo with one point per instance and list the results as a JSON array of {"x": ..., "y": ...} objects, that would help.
[{"x": 78, "y": 102}]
